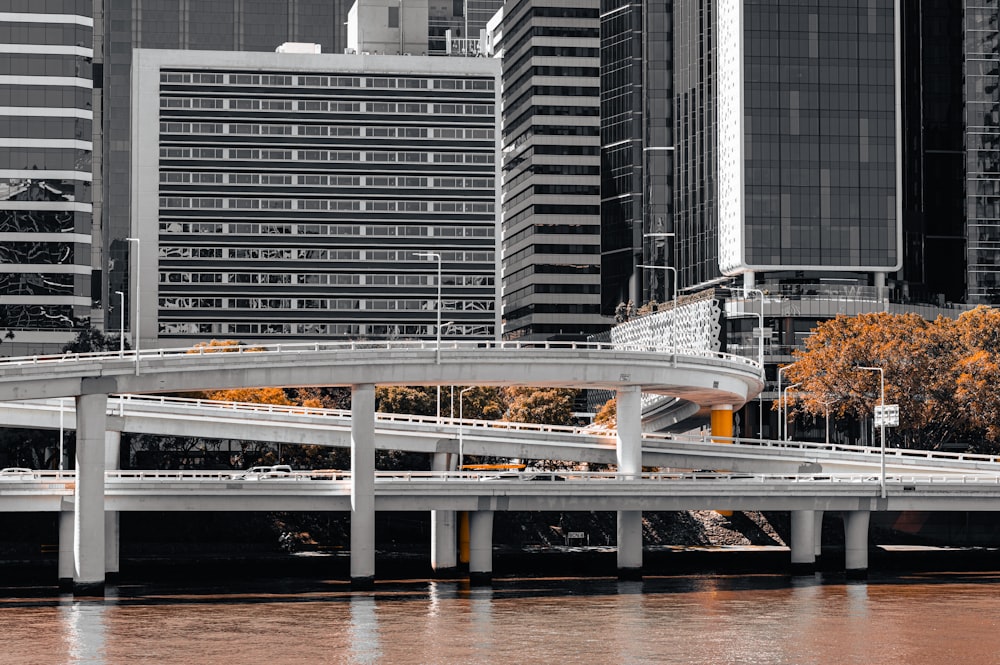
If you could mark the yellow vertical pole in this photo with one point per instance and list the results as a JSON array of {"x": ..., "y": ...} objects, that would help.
[
  {"x": 722, "y": 427},
  {"x": 463, "y": 538},
  {"x": 722, "y": 422}
]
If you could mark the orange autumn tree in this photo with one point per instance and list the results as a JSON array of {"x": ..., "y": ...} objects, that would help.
[
  {"x": 920, "y": 361},
  {"x": 977, "y": 390}
]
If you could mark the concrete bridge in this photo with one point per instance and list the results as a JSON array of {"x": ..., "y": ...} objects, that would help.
[
  {"x": 716, "y": 382},
  {"x": 805, "y": 496},
  {"x": 184, "y": 417}
]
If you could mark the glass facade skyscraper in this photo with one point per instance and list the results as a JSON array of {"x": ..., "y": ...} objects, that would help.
[
  {"x": 807, "y": 137},
  {"x": 46, "y": 148},
  {"x": 636, "y": 151},
  {"x": 934, "y": 248},
  {"x": 982, "y": 142}
]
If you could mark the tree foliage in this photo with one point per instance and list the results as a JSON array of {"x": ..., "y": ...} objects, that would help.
[
  {"x": 550, "y": 406},
  {"x": 941, "y": 373},
  {"x": 607, "y": 415},
  {"x": 414, "y": 400},
  {"x": 91, "y": 340}
]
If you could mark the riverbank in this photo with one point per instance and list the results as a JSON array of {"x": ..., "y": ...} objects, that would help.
[{"x": 218, "y": 567}]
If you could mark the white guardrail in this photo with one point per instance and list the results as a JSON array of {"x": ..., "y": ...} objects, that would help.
[
  {"x": 314, "y": 347},
  {"x": 120, "y": 405},
  {"x": 34, "y": 477}
]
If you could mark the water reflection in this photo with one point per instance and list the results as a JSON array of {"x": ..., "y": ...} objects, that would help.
[
  {"x": 84, "y": 630},
  {"x": 365, "y": 647},
  {"x": 769, "y": 619},
  {"x": 481, "y": 618}
]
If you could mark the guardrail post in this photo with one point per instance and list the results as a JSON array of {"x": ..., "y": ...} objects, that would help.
[
  {"x": 444, "y": 557},
  {"x": 629, "y": 453},
  {"x": 88, "y": 520},
  {"x": 363, "y": 486},
  {"x": 803, "y": 543},
  {"x": 856, "y": 543},
  {"x": 481, "y": 547}
]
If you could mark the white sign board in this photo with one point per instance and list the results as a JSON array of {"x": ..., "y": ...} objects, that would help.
[{"x": 887, "y": 415}]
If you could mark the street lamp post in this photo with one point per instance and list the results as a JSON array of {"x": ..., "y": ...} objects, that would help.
[
  {"x": 826, "y": 416},
  {"x": 434, "y": 256},
  {"x": 461, "y": 425},
  {"x": 673, "y": 314},
  {"x": 881, "y": 378},
  {"x": 138, "y": 298},
  {"x": 783, "y": 409},
  {"x": 760, "y": 354},
  {"x": 121, "y": 324},
  {"x": 780, "y": 406}
]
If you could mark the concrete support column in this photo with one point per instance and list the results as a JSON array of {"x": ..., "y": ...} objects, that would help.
[
  {"x": 856, "y": 543},
  {"x": 721, "y": 419},
  {"x": 629, "y": 454},
  {"x": 722, "y": 422},
  {"x": 88, "y": 521},
  {"x": 67, "y": 543},
  {"x": 444, "y": 550},
  {"x": 818, "y": 533},
  {"x": 363, "y": 486},
  {"x": 803, "y": 542},
  {"x": 112, "y": 462},
  {"x": 462, "y": 519},
  {"x": 481, "y": 547}
]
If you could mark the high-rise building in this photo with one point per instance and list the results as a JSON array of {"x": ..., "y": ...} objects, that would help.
[
  {"x": 790, "y": 158},
  {"x": 46, "y": 211},
  {"x": 934, "y": 230},
  {"x": 551, "y": 146},
  {"x": 461, "y": 20},
  {"x": 637, "y": 152},
  {"x": 982, "y": 144},
  {"x": 218, "y": 25},
  {"x": 287, "y": 196}
]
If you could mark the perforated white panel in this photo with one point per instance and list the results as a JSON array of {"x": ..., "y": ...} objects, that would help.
[
  {"x": 730, "y": 136},
  {"x": 695, "y": 326}
]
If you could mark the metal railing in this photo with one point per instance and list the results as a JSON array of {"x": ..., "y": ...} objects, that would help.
[{"x": 196, "y": 353}]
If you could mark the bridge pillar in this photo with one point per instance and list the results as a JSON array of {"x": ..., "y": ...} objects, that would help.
[
  {"x": 856, "y": 543},
  {"x": 803, "y": 543},
  {"x": 444, "y": 557},
  {"x": 481, "y": 547},
  {"x": 721, "y": 419},
  {"x": 363, "y": 486},
  {"x": 67, "y": 546},
  {"x": 88, "y": 521},
  {"x": 112, "y": 462},
  {"x": 629, "y": 453},
  {"x": 818, "y": 534}
]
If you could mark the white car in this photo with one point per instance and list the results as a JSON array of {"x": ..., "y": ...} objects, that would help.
[
  {"x": 266, "y": 472},
  {"x": 16, "y": 473}
]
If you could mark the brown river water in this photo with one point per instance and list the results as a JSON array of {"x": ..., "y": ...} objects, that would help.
[{"x": 930, "y": 619}]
